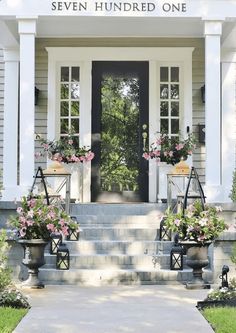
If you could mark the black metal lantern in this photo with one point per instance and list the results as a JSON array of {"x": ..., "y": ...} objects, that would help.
[
  {"x": 63, "y": 257},
  {"x": 224, "y": 277},
  {"x": 36, "y": 95},
  {"x": 56, "y": 240},
  {"x": 176, "y": 255},
  {"x": 165, "y": 233},
  {"x": 203, "y": 94},
  {"x": 73, "y": 233}
]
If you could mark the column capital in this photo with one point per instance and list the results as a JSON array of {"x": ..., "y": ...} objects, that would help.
[
  {"x": 11, "y": 54},
  {"x": 27, "y": 25},
  {"x": 213, "y": 27}
]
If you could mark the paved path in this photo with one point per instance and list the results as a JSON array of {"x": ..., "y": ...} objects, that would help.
[{"x": 123, "y": 309}]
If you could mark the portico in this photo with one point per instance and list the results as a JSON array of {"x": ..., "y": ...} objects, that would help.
[{"x": 37, "y": 41}]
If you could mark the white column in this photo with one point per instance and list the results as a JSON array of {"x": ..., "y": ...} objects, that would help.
[
  {"x": 213, "y": 187},
  {"x": 154, "y": 126},
  {"x": 10, "y": 136},
  {"x": 85, "y": 128},
  {"x": 27, "y": 30},
  {"x": 228, "y": 126}
]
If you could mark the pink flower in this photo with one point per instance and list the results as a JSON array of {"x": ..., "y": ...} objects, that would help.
[
  {"x": 64, "y": 230},
  {"x": 156, "y": 153},
  {"x": 32, "y": 203},
  {"x": 177, "y": 222},
  {"x": 50, "y": 227},
  {"x": 57, "y": 157},
  {"x": 51, "y": 215},
  {"x": 179, "y": 146},
  {"x": 30, "y": 213},
  {"x": 70, "y": 142},
  {"x": 30, "y": 223},
  {"x": 146, "y": 156},
  {"x": 74, "y": 158},
  {"x": 62, "y": 222},
  {"x": 45, "y": 146},
  {"x": 82, "y": 158},
  {"x": 22, "y": 220},
  {"x": 19, "y": 210},
  {"x": 171, "y": 153},
  {"x": 22, "y": 232},
  {"x": 89, "y": 156}
]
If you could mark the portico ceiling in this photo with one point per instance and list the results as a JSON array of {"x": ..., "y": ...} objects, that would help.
[{"x": 55, "y": 27}]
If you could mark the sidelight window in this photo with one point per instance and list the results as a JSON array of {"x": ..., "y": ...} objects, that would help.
[
  {"x": 169, "y": 100},
  {"x": 69, "y": 100}
]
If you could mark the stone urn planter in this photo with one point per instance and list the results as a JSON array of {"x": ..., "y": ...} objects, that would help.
[
  {"x": 197, "y": 259},
  {"x": 33, "y": 260}
]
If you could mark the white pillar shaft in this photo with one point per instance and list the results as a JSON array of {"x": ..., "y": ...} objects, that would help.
[
  {"x": 228, "y": 126},
  {"x": 213, "y": 109},
  {"x": 10, "y": 137},
  {"x": 27, "y": 83}
]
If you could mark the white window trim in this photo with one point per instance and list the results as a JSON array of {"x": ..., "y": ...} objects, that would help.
[{"x": 83, "y": 57}]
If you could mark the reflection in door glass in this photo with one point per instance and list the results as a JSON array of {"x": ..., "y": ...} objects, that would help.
[{"x": 119, "y": 133}]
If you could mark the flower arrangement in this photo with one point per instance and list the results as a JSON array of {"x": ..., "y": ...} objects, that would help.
[
  {"x": 198, "y": 223},
  {"x": 170, "y": 150},
  {"x": 37, "y": 220},
  {"x": 66, "y": 150},
  {"x": 12, "y": 297}
]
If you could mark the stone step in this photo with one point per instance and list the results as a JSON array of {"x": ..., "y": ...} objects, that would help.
[
  {"x": 127, "y": 234},
  {"x": 111, "y": 276},
  {"x": 119, "y": 247},
  {"x": 103, "y": 261},
  {"x": 151, "y": 221},
  {"x": 117, "y": 209}
]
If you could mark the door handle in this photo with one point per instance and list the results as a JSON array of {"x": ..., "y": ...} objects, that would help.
[{"x": 144, "y": 136}]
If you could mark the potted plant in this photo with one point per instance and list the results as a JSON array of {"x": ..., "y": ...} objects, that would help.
[
  {"x": 34, "y": 223},
  {"x": 170, "y": 149},
  {"x": 198, "y": 226},
  {"x": 66, "y": 150}
]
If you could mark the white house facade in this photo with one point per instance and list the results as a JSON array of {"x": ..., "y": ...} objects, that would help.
[{"x": 68, "y": 49}]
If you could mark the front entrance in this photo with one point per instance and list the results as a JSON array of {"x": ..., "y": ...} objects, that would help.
[{"x": 119, "y": 127}]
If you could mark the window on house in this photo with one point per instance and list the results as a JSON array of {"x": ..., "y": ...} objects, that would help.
[
  {"x": 169, "y": 100},
  {"x": 69, "y": 100}
]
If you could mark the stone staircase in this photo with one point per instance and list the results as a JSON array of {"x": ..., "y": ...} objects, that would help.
[{"x": 119, "y": 245}]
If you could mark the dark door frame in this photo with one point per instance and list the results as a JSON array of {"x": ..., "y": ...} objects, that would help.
[{"x": 98, "y": 68}]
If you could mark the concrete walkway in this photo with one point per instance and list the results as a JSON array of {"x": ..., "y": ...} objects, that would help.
[{"x": 123, "y": 309}]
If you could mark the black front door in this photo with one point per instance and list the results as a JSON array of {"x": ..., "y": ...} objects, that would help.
[{"x": 119, "y": 120}]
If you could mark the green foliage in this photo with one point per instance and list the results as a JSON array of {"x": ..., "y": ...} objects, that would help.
[
  {"x": 200, "y": 224},
  {"x": 233, "y": 189},
  {"x": 9, "y": 318},
  {"x": 13, "y": 298},
  {"x": 221, "y": 294},
  {"x": 171, "y": 149},
  {"x": 120, "y": 134},
  {"x": 233, "y": 256},
  {"x": 66, "y": 150},
  {"x": 5, "y": 272},
  {"x": 223, "y": 320},
  {"x": 37, "y": 220}
]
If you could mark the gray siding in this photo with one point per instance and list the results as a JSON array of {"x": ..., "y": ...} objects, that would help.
[{"x": 198, "y": 76}]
